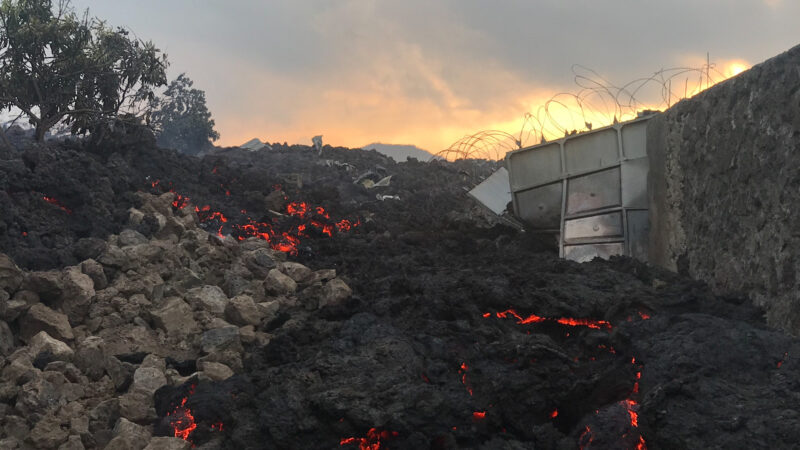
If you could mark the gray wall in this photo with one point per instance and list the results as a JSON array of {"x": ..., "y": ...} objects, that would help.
[{"x": 725, "y": 187}]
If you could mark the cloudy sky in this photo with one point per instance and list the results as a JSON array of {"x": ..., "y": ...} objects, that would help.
[{"x": 427, "y": 72}]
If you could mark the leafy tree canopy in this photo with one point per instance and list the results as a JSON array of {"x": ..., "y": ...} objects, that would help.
[
  {"x": 182, "y": 120},
  {"x": 56, "y": 66}
]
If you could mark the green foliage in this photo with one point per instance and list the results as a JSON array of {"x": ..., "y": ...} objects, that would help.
[
  {"x": 182, "y": 120},
  {"x": 56, "y": 66}
]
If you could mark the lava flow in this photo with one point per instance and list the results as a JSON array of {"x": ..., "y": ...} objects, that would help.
[
  {"x": 183, "y": 422},
  {"x": 55, "y": 202},
  {"x": 283, "y": 234},
  {"x": 372, "y": 441},
  {"x": 463, "y": 371},
  {"x": 533, "y": 318}
]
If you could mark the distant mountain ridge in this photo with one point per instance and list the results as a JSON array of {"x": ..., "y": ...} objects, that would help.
[{"x": 400, "y": 153}]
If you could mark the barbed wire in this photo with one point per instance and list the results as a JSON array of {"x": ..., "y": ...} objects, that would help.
[{"x": 597, "y": 103}]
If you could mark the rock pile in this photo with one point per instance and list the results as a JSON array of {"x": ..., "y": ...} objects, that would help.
[{"x": 83, "y": 349}]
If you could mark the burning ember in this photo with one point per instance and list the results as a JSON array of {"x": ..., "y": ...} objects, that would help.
[
  {"x": 533, "y": 318},
  {"x": 55, "y": 202},
  {"x": 372, "y": 441}
]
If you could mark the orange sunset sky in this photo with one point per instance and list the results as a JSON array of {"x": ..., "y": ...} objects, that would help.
[{"x": 429, "y": 72}]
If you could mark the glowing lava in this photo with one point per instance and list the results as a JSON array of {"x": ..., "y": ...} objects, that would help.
[
  {"x": 463, "y": 371},
  {"x": 55, "y": 202},
  {"x": 372, "y": 441},
  {"x": 182, "y": 420},
  {"x": 282, "y": 234},
  {"x": 533, "y": 318},
  {"x": 586, "y": 438}
]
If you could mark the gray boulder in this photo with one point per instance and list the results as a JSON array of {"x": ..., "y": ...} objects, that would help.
[
  {"x": 278, "y": 283},
  {"x": 175, "y": 317},
  {"x": 10, "y": 275},
  {"x": 41, "y": 318},
  {"x": 209, "y": 298},
  {"x": 242, "y": 310}
]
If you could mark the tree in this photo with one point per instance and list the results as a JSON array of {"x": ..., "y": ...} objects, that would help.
[
  {"x": 55, "y": 66},
  {"x": 181, "y": 119}
]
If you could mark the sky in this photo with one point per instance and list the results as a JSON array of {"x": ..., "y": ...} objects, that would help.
[{"x": 426, "y": 72}]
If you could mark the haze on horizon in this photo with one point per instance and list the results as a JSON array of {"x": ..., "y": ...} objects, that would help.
[{"x": 427, "y": 73}]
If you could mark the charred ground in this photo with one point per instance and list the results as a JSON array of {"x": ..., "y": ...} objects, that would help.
[{"x": 429, "y": 351}]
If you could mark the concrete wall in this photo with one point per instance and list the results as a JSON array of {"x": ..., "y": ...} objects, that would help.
[{"x": 725, "y": 187}]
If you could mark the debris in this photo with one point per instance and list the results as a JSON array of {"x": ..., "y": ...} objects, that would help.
[
  {"x": 317, "y": 141},
  {"x": 387, "y": 197},
  {"x": 255, "y": 144},
  {"x": 493, "y": 192}
]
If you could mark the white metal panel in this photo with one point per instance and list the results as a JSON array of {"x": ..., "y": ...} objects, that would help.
[
  {"x": 602, "y": 226},
  {"x": 634, "y": 140},
  {"x": 594, "y": 191},
  {"x": 591, "y": 151},
  {"x": 535, "y": 166},
  {"x": 494, "y": 192},
  {"x": 634, "y": 183},
  {"x": 638, "y": 234},
  {"x": 541, "y": 207}
]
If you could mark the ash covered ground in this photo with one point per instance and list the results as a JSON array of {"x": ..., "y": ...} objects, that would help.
[{"x": 454, "y": 331}]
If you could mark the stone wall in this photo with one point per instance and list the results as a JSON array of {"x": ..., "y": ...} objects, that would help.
[{"x": 725, "y": 187}]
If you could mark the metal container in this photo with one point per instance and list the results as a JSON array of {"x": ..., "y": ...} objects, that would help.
[{"x": 589, "y": 189}]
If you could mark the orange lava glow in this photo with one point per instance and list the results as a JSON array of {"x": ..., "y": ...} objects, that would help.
[
  {"x": 373, "y": 440},
  {"x": 55, "y": 202},
  {"x": 463, "y": 371},
  {"x": 533, "y": 318},
  {"x": 182, "y": 420},
  {"x": 586, "y": 438},
  {"x": 284, "y": 240},
  {"x": 554, "y": 414},
  {"x": 478, "y": 415},
  {"x": 629, "y": 406}
]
